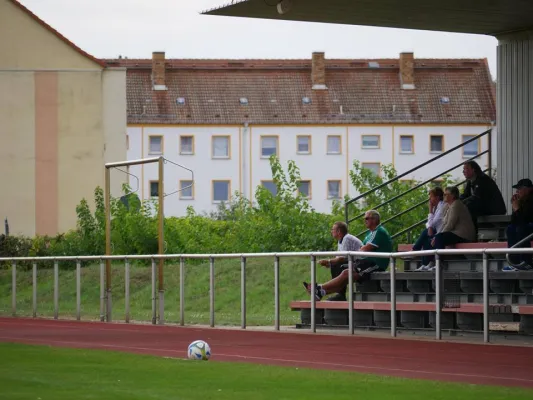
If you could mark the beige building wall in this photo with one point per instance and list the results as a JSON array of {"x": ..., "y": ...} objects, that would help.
[{"x": 55, "y": 131}]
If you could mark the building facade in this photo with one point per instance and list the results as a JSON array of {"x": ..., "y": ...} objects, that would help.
[
  {"x": 224, "y": 118},
  {"x": 62, "y": 116}
]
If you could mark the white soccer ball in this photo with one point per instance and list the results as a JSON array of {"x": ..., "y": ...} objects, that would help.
[{"x": 199, "y": 350}]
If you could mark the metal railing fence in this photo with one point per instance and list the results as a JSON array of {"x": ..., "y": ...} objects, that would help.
[{"x": 106, "y": 305}]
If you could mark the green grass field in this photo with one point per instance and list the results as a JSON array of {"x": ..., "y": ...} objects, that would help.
[
  {"x": 260, "y": 291},
  {"x": 46, "y": 373}
]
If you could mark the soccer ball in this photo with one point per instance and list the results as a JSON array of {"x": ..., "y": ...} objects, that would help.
[{"x": 199, "y": 350}]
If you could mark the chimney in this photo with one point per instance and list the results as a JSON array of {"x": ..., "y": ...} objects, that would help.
[
  {"x": 158, "y": 70},
  {"x": 407, "y": 71},
  {"x": 318, "y": 71}
]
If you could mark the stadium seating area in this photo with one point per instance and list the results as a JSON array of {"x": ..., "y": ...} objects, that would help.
[{"x": 510, "y": 298}]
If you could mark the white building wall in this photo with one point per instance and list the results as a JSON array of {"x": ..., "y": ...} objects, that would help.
[{"x": 246, "y": 168}]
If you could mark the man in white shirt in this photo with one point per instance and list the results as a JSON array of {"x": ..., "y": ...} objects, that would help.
[
  {"x": 345, "y": 242},
  {"x": 437, "y": 209}
]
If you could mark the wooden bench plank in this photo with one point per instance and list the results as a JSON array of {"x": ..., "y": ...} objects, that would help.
[{"x": 474, "y": 308}]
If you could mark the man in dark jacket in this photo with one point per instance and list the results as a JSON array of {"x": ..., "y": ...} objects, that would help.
[
  {"x": 482, "y": 196},
  {"x": 521, "y": 223}
]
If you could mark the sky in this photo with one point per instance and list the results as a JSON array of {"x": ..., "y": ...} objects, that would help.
[{"x": 136, "y": 28}]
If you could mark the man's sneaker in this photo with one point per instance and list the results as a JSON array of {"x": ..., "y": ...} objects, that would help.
[
  {"x": 318, "y": 292},
  {"x": 510, "y": 268},
  {"x": 338, "y": 297},
  {"x": 429, "y": 267}
]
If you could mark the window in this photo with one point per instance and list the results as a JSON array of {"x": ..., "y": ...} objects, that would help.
[
  {"x": 472, "y": 148},
  {"x": 270, "y": 186},
  {"x": 374, "y": 167},
  {"x": 220, "y": 191},
  {"x": 154, "y": 189},
  {"x": 334, "y": 189},
  {"x": 269, "y": 146},
  {"x": 436, "y": 144},
  {"x": 186, "y": 145},
  {"x": 155, "y": 144},
  {"x": 304, "y": 144},
  {"x": 220, "y": 147},
  {"x": 304, "y": 188},
  {"x": 406, "y": 144},
  {"x": 186, "y": 190},
  {"x": 370, "y": 142},
  {"x": 334, "y": 145}
]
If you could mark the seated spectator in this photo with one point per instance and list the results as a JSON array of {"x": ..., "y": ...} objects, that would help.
[
  {"x": 437, "y": 209},
  {"x": 377, "y": 240},
  {"x": 481, "y": 195},
  {"x": 521, "y": 224},
  {"x": 345, "y": 242},
  {"x": 457, "y": 226}
]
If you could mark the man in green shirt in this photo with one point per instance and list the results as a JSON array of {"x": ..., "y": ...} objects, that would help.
[{"x": 377, "y": 240}]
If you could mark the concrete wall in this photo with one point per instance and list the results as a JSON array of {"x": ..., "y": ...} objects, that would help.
[{"x": 246, "y": 169}]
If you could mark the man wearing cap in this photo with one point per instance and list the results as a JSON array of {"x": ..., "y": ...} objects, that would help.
[{"x": 521, "y": 223}]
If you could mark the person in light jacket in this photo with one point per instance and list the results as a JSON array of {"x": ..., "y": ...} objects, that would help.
[
  {"x": 437, "y": 209},
  {"x": 458, "y": 227}
]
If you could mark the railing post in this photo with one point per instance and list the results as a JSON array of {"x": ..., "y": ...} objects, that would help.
[
  {"x": 486, "y": 337},
  {"x": 438, "y": 297},
  {"x": 78, "y": 290},
  {"x": 182, "y": 291},
  {"x": 212, "y": 292},
  {"x": 102, "y": 292},
  {"x": 154, "y": 295},
  {"x": 127, "y": 290},
  {"x": 56, "y": 290},
  {"x": 313, "y": 298},
  {"x": 393, "y": 296},
  {"x": 14, "y": 288},
  {"x": 34, "y": 289},
  {"x": 276, "y": 293},
  {"x": 243, "y": 292},
  {"x": 350, "y": 295}
]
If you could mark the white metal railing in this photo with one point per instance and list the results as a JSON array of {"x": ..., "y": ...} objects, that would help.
[{"x": 106, "y": 304}]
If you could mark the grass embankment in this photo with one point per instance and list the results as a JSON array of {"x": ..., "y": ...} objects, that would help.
[
  {"x": 260, "y": 291},
  {"x": 40, "y": 372}
]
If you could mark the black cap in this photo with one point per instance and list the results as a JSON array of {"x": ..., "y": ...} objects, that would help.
[{"x": 523, "y": 183}]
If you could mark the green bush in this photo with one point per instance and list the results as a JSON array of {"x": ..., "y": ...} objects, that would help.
[{"x": 271, "y": 223}]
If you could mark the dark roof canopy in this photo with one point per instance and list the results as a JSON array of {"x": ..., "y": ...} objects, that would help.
[{"x": 489, "y": 17}]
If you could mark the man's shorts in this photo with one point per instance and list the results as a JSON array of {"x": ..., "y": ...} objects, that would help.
[{"x": 364, "y": 268}]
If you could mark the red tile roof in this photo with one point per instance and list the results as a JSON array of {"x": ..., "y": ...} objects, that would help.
[
  {"x": 56, "y": 33},
  {"x": 275, "y": 88}
]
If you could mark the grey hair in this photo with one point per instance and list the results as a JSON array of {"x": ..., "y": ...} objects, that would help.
[
  {"x": 453, "y": 191},
  {"x": 375, "y": 214}
]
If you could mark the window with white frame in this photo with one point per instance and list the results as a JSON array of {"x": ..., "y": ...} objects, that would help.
[
  {"x": 304, "y": 144},
  {"x": 186, "y": 145},
  {"x": 372, "y": 166},
  {"x": 472, "y": 148},
  {"x": 334, "y": 144},
  {"x": 154, "y": 189},
  {"x": 270, "y": 186},
  {"x": 269, "y": 146},
  {"x": 186, "y": 190},
  {"x": 407, "y": 144},
  {"x": 220, "y": 147},
  {"x": 370, "y": 142},
  {"x": 155, "y": 144},
  {"x": 220, "y": 191},
  {"x": 436, "y": 144},
  {"x": 304, "y": 188},
  {"x": 334, "y": 189}
]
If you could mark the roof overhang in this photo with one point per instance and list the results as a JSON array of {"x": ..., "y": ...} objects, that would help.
[{"x": 486, "y": 17}]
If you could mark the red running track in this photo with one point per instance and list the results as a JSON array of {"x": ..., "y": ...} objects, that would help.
[{"x": 454, "y": 362}]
